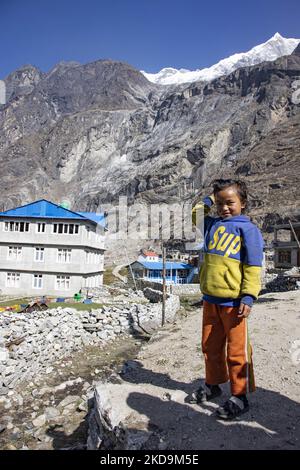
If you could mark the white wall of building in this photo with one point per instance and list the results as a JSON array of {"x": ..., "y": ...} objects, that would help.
[
  {"x": 45, "y": 258},
  {"x": 88, "y": 234},
  {"x": 27, "y": 284},
  {"x": 143, "y": 257},
  {"x": 42, "y": 251}
]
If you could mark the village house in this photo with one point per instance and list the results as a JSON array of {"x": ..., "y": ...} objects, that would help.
[
  {"x": 149, "y": 267},
  {"x": 147, "y": 255},
  {"x": 286, "y": 248},
  {"x": 46, "y": 249}
]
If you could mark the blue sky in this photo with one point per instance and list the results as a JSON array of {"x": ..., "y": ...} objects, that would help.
[{"x": 148, "y": 34}]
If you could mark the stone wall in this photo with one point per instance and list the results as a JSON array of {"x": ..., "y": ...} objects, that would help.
[
  {"x": 176, "y": 289},
  {"x": 31, "y": 342},
  {"x": 185, "y": 289}
]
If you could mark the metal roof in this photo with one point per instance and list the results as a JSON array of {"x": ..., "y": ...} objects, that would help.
[
  {"x": 96, "y": 217},
  {"x": 149, "y": 253},
  {"x": 169, "y": 265},
  {"x": 44, "y": 209}
]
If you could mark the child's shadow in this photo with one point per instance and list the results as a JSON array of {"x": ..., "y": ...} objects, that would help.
[
  {"x": 135, "y": 373},
  {"x": 273, "y": 421}
]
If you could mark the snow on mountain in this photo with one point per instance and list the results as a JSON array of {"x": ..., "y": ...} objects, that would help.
[{"x": 275, "y": 47}]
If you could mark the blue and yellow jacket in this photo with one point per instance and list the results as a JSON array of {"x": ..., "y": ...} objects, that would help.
[{"x": 233, "y": 254}]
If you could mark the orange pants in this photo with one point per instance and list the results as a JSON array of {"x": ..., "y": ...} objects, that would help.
[{"x": 221, "y": 325}]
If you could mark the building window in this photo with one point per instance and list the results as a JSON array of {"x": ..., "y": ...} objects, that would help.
[
  {"x": 64, "y": 255},
  {"x": 12, "y": 279},
  {"x": 41, "y": 227},
  {"x": 69, "y": 229},
  {"x": 92, "y": 281},
  {"x": 16, "y": 226},
  {"x": 182, "y": 273},
  {"x": 62, "y": 282},
  {"x": 14, "y": 252},
  {"x": 284, "y": 257},
  {"x": 39, "y": 254},
  {"x": 92, "y": 257},
  {"x": 37, "y": 281},
  {"x": 57, "y": 228}
]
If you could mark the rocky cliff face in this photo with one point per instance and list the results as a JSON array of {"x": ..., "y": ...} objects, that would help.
[{"x": 92, "y": 133}]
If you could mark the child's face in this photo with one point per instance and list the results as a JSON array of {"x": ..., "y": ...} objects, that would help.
[{"x": 228, "y": 202}]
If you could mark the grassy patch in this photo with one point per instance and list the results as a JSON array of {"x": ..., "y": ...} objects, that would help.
[
  {"x": 51, "y": 305},
  {"x": 109, "y": 278},
  {"x": 9, "y": 303}
]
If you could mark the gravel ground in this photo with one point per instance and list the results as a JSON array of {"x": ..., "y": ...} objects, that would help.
[
  {"x": 171, "y": 365},
  {"x": 50, "y": 412},
  {"x": 168, "y": 367}
]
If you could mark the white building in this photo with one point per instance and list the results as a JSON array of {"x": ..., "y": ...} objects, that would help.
[
  {"x": 148, "y": 255},
  {"x": 46, "y": 249}
]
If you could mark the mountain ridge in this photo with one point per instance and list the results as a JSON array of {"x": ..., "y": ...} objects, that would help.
[
  {"x": 277, "y": 46},
  {"x": 95, "y": 132}
]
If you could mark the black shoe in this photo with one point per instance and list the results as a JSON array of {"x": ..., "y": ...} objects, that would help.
[
  {"x": 203, "y": 394},
  {"x": 233, "y": 408}
]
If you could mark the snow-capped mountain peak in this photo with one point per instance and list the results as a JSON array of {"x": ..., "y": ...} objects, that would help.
[{"x": 277, "y": 46}]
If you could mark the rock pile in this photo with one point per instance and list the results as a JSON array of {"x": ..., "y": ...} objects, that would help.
[
  {"x": 154, "y": 295},
  {"x": 109, "y": 425},
  {"x": 278, "y": 280},
  {"x": 113, "y": 295},
  {"x": 31, "y": 342}
]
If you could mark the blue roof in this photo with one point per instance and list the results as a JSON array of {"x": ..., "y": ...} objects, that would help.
[
  {"x": 98, "y": 218},
  {"x": 169, "y": 265},
  {"x": 45, "y": 209}
]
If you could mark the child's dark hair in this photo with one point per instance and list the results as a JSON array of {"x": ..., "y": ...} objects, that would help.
[{"x": 241, "y": 187}]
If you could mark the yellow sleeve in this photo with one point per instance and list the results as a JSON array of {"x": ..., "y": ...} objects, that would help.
[
  {"x": 203, "y": 208},
  {"x": 251, "y": 283}
]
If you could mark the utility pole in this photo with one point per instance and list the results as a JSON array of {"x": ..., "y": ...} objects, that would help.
[
  {"x": 294, "y": 233},
  {"x": 133, "y": 278},
  {"x": 164, "y": 284}
]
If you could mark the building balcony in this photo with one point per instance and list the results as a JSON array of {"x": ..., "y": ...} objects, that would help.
[
  {"x": 51, "y": 267},
  {"x": 54, "y": 239},
  {"x": 169, "y": 280},
  {"x": 288, "y": 244}
]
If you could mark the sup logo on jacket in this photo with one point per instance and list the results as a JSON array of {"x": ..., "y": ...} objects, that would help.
[
  {"x": 233, "y": 250},
  {"x": 225, "y": 242}
]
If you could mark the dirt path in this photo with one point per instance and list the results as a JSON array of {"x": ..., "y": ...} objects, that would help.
[{"x": 170, "y": 365}]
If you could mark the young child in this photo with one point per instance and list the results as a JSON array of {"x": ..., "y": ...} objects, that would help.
[{"x": 230, "y": 282}]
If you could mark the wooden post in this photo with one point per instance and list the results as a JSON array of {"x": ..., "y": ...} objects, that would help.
[
  {"x": 164, "y": 286},
  {"x": 294, "y": 233},
  {"x": 298, "y": 243}
]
